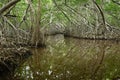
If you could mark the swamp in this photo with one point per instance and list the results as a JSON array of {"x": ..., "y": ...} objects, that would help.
[{"x": 59, "y": 40}]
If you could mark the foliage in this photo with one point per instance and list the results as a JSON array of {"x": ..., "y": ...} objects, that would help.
[
  {"x": 65, "y": 13},
  {"x": 51, "y": 14}
]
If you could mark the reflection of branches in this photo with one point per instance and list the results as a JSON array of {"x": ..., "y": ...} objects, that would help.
[
  {"x": 99, "y": 64},
  {"x": 70, "y": 50}
]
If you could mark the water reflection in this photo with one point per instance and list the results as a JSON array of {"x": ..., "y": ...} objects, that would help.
[{"x": 72, "y": 59}]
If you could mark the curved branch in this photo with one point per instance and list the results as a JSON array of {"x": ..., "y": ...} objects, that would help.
[
  {"x": 116, "y": 2},
  {"x": 8, "y": 5},
  {"x": 101, "y": 12}
]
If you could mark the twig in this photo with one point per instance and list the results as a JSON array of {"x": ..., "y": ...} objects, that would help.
[
  {"x": 10, "y": 24},
  {"x": 24, "y": 16},
  {"x": 62, "y": 11}
]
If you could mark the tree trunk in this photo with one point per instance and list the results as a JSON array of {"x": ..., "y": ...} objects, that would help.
[{"x": 37, "y": 36}]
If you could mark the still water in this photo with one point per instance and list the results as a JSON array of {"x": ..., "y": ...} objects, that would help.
[{"x": 72, "y": 59}]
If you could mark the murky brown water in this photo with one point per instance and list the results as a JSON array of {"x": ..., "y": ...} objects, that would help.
[{"x": 72, "y": 59}]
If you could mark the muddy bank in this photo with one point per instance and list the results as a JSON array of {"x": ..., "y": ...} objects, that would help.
[
  {"x": 86, "y": 32},
  {"x": 90, "y": 33},
  {"x": 11, "y": 58}
]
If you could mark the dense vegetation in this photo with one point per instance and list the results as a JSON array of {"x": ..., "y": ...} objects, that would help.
[
  {"x": 28, "y": 22},
  {"x": 23, "y": 19}
]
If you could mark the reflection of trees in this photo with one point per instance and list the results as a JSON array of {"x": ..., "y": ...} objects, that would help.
[
  {"x": 76, "y": 60},
  {"x": 99, "y": 60}
]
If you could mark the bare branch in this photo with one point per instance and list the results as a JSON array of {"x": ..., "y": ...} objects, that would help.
[
  {"x": 62, "y": 11},
  {"x": 116, "y": 2},
  {"x": 101, "y": 12},
  {"x": 8, "y": 5},
  {"x": 24, "y": 16}
]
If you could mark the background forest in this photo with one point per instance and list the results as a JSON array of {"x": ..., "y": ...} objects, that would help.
[{"x": 29, "y": 20}]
